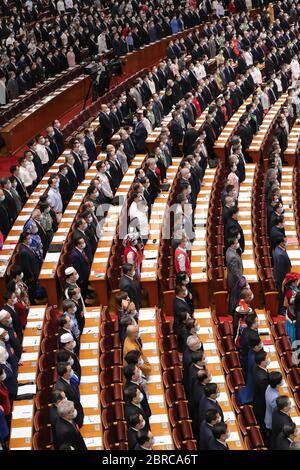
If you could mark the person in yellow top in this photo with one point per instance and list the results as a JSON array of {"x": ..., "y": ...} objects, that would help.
[
  {"x": 270, "y": 11},
  {"x": 132, "y": 342}
]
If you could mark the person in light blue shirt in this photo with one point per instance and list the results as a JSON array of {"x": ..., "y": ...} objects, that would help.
[
  {"x": 69, "y": 309},
  {"x": 174, "y": 25},
  {"x": 272, "y": 392}
]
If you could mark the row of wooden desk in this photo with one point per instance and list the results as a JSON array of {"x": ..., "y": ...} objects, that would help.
[
  {"x": 286, "y": 189},
  {"x": 259, "y": 139},
  {"x": 291, "y": 152},
  {"x": 35, "y": 120},
  {"x": 227, "y": 133}
]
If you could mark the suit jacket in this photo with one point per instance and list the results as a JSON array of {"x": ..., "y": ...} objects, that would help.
[
  {"x": 90, "y": 148},
  {"x": 10, "y": 205},
  {"x": 21, "y": 190},
  {"x": 179, "y": 305},
  {"x": 78, "y": 166},
  {"x": 59, "y": 139},
  {"x": 189, "y": 140},
  {"x": 15, "y": 319},
  {"x": 81, "y": 264},
  {"x": 245, "y": 135},
  {"x": 205, "y": 435},
  {"x": 73, "y": 179},
  {"x": 260, "y": 384},
  {"x": 144, "y": 402},
  {"x": 231, "y": 225},
  {"x": 282, "y": 265},
  {"x": 207, "y": 404},
  {"x": 234, "y": 267},
  {"x": 129, "y": 286},
  {"x": 132, "y": 438},
  {"x": 279, "y": 419},
  {"x": 140, "y": 135},
  {"x": 131, "y": 409},
  {"x": 4, "y": 220},
  {"x": 65, "y": 188},
  {"x": 282, "y": 442},
  {"x": 71, "y": 394},
  {"x": 216, "y": 445},
  {"x": 88, "y": 248},
  {"x": 66, "y": 432},
  {"x": 29, "y": 262},
  {"x": 154, "y": 187}
]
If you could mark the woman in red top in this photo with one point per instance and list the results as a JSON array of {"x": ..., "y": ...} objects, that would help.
[{"x": 231, "y": 7}]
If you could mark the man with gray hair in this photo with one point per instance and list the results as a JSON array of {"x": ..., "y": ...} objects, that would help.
[
  {"x": 151, "y": 174},
  {"x": 66, "y": 431},
  {"x": 193, "y": 344}
]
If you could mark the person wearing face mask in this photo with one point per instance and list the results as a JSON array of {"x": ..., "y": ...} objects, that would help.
[
  {"x": 231, "y": 225},
  {"x": 91, "y": 229},
  {"x": 74, "y": 294},
  {"x": 198, "y": 363},
  {"x": 81, "y": 264},
  {"x": 90, "y": 146},
  {"x": 281, "y": 267},
  {"x": 248, "y": 334},
  {"x": 9, "y": 201},
  {"x": 65, "y": 325},
  {"x": 129, "y": 285},
  {"x": 5, "y": 223},
  {"x": 133, "y": 343},
  {"x": 272, "y": 392},
  {"x": 54, "y": 197},
  {"x": 145, "y": 440},
  {"x": 245, "y": 394},
  {"x": 65, "y": 428},
  {"x": 10, "y": 301},
  {"x": 42, "y": 152},
  {"x": 14, "y": 192},
  {"x": 65, "y": 187},
  {"x": 192, "y": 344},
  {"x": 5, "y": 411},
  {"x": 35, "y": 240},
  {"x": 210, "y": 402},
  {"x": 220, "y": 435},
  {"x": 6, "y": 343},
  {"x": 132, "y": 252},
  {"x": 71, "y": 278},
  {"x": 280, "y": 418},
  {"x": 29, "y": 264},
  {"x": 67, "y": 354},
  {"x": 133, "y": 403},
  {"x": 69, "y": 309},
  {"x": 80, "y": 231},
  {"x": 34, "y": 163},
  {"x": 246, "y": 296},
  {"x": 71, "y": 175},
  {"x": 234, "y": 263},
  {"x": 212, "y": 418},
  {"x": 63, "y": 383},
  {"x": 10, "y": 380},
  {"x": 134, "y": 376},
  {"x": 261, "y": 381},
  {"x": 46, "y": 220},
  {"x": 136, "y": 423},
  {"x": 57, "y": 397}
]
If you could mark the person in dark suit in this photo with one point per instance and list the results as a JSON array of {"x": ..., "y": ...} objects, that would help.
[
  {"x": 10, "y": 381},
  {"x": 71, "y": 175},
  {"x": 180, "y": 305},
  {"x": 90, "y": 146},
  {"x": 66, "y": 431},
  {"x": 140, "y": 134},
  {"x": 245, "y": 133},
  {"x": 277, "y": 231},
  {"x": 202, "y": 378},
  {"x": 64, "y": 371},
  {"x": 80, "y": 262},
  {"x": 80, "y": 232},
  {"x": 36, "y": 160},
  {"x": 286, "y": 437},
  {"x": 6, "y": 322},
  {"x": 36, "y": 217},
  {"x": 115, "y": 170},
  {"x": 212, "y": 418},
  {"x": 127, "y": 284},
  {"x": 133, "y": 374},
  {"x": 280, "y": 417},
  {"x": 177, "y": 133},
  {"x": 146, "y": 196},
  {"x": 281, "y": 266},
  {"x": 65, "y": 188},
  {"x": 192, "y": 344},
  {"x": 260, "y": 384},
  {"x": 59, "y": 137},
  {"x": 133, "y": 398},
  {"x": 282, "y": 135},
  {"x": 67, "y": 343},
  {"x": 210, "y": 402},
  {"x": 106, "y": 125},
  {"x": 78, "y": 162},
  {"x": 154, "y": 188},
  {"x": 9, "y": 201},
  {"x": 145, "y": 440},
  {"x": 210, "y": 135},
  {"x": 29, "y": 263},
  {"x": 233, "y": 226},
  {"x": 190, "y": 138},
  {"x": 5, "y": 223},
  {"x": 220, "y": 433},
  {"x": 136, "y": 423},
  {"x": 9, "y": 300},
  {"x": 57, "y": 397},
  {"x": 21, "y": 190}
]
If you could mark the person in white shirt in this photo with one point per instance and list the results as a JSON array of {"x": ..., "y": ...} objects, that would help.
[
  {"x": 138, "y": 210},
  {"x": 42, "y": 152},
  {"x": 265, "y": 100},
  {"x": 24, "y": 174},
  {"x": 104, "y": 187},
  {"x": 30, "y": 165},
  {"x": 54, "y": 197},
  {"x": 256, "y": 74},
  {"x": 102, "y": 44},
  {"x": 199, "y": 69},
  {"x": 69, "y": 5},
  {"x": 82, "y": 151},
  {"x": 3, "y": 94},
  {"x": 60, "y": 6},
  {"x": 248, "y": 58}
]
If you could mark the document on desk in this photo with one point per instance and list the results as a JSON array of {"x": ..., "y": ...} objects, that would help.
[
  {"x": 89, "y": 401},
  {"x": 27, "y": 389}
]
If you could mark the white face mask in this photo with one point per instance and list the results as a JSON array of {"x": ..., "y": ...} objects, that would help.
[
  {"x": 83, "y": 246},
  {"x": 34, "y": 229},
  {"x": 141, "y": 397},
  {"x": 74, "y": 416},
  {"x": 6, "y": 337},
  {"x": 71, "y": 362},
  {"x": 14, "y": 301},
  {"x": 18, "y": 291},
  {"x": 21, "y": 275},
  {"x": 76, "y": 277}
]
